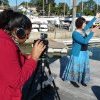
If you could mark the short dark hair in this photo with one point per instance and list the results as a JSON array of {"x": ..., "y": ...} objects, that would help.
[
  {"x": 10, "y": 19},
  {"x": 79, "y": 22}
]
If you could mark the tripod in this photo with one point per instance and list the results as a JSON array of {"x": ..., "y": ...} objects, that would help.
[
  {"x": 49, "y": 79},
  {"x": 41, "y": 79},
  {"x": 35, "y": 86}
]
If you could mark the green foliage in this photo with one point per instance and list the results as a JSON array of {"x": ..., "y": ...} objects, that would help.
[
  {"x": 4, "y": 2},
  {"x": 60, "y": 9},
  {"x": 34, "y": 2},
  {"x": 39, "y": 6},
  {"x": 89, "y": 7},
  {"x": 26, "y": 3},
  {"x": 23, "y": 3}
]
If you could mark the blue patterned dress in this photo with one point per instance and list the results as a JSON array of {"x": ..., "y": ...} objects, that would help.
[{"x": 78, "y": 68}]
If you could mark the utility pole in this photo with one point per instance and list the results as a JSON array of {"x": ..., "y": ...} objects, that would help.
[
  {"x": 82, "y": 7},
  {"x": 64, "y": 8},
  {"x": 27, "y": 4},
  {"x": 49, "y": 9},
  {"x": 97, "y": 5},
  {"x": 43, "y": 8},
  {"x": 74, "y": 15},
  {"x": 16, "y": 4},
  {"x": 2, "y": 5},
  {"x": 70, "y": 6}
]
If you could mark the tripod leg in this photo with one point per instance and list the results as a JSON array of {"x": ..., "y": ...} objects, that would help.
[
  {"x": 54, "y": 85},
  {"x": 41, "y": 81},
  {"x": 55, "y": 88}
]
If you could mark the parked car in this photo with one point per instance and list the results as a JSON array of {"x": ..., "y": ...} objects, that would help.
[{"x": 66, "y": 24}]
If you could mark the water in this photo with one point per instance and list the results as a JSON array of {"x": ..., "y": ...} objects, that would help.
[
  {"x": 26, "y": 48},
  {"x": 95, "y": 53}
]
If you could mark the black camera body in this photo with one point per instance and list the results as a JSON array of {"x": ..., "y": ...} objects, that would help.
[{"x": 43, "y": 38}]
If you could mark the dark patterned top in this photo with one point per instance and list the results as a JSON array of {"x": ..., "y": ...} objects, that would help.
[{"x": 84, "y": 47}]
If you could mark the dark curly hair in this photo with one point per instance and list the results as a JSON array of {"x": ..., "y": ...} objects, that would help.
[
  {"x": 10, "y": 19},
  {"x": 79, "y": 22}
]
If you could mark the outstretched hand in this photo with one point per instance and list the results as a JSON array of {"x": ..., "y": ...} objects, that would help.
[
  {"x": 37, "y": 50},
  {"x": 96, "y": 30},
  {"x": 97, "y": 15}
]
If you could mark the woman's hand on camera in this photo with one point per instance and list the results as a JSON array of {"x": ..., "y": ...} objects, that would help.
[{"x": 37, "y": 50}]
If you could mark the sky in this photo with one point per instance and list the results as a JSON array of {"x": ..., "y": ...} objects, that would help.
[{"x": 69, "y": 2}]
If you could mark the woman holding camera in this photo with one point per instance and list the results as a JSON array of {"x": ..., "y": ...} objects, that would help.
[{"x": 15, "y": 68}]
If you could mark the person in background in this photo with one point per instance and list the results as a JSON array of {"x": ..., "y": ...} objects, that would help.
[
  {"x": 78, "y": 69},
  {"x": 15, "y": 68}
]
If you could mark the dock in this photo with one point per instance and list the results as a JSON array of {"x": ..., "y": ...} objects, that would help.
[
  {"x": 67, "y": 91},
  {"x": 57, "y": 64}
]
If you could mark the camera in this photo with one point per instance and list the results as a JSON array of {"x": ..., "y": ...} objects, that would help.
[{"x": 43, "y": 38}]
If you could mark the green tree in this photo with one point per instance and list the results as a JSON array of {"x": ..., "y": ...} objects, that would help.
[
  {"x": 50, "y": 6},
  {"x": 26, "y": 3},
  {"x": 89, "y": 7},
  {"x": 34, "y": 2},
  {"x": 60, "y": 9},
  {"x": 39, "y": 5},
  {"x": 23, "y": 3},
  {"x": 4, "y": 2},
  {"x": 98, "y": 10}
]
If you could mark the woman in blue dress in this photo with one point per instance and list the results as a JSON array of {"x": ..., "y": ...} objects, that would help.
[{"x": 78, "y": 70}]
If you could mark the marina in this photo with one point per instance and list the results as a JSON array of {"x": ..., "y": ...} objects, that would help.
[
  {"x": 59, "y": 41},
  {"x": 59, "y": 48},
  {"x": 57, "y": 19}
]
